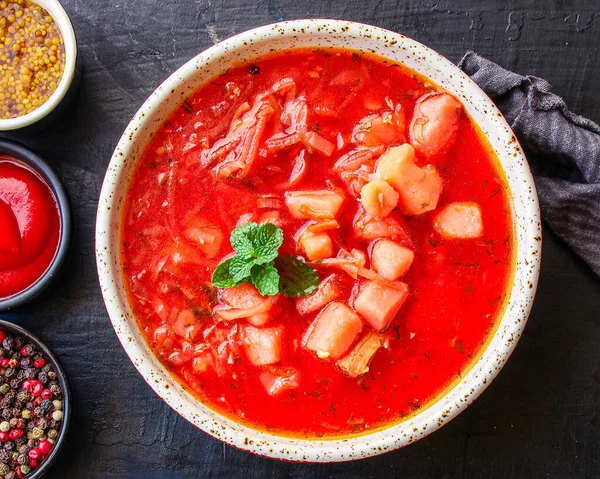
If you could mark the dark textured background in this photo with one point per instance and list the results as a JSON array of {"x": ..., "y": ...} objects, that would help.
[{"x": 540, "y": 416}]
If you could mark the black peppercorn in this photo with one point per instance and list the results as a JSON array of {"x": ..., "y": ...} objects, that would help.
[
  {"x": 32, "y": 442},
  {"x": 38, "y": 411},
  {"x": 10, "y": 475},
  {"x": 26, "y": 362},
  {"x": 30, "y": 373},
  {"x": 15, "y": 383},
  {"x": 56, "y": 391},
  {"x": 24, "y": 449},
  {"x": 13, "y": 422},
  {"x": 9, "y": 372},
  {"x": 4, "y": 455},
  {"x": 43, "y": 423},
  {"x": 46, "y": 368},
  {"x": 22, "y": 459},
  {"x": 20, "y": 441},
  {"x": 51, "y": 375},
  {"x": 29, "y": 405},
  {"x": 21, "y": 423},
  {"x": 30, "y": 426},
  {"x": 8, "y": 343},
  {"x": 43, "y": 377},
  {"x": 9, "y": 446},
  {"x": 6, "y": 412},
  {"x": 18, "y": 343},
  {"x": 53, "y": 424},
  {"x": 23, "y": 396}
]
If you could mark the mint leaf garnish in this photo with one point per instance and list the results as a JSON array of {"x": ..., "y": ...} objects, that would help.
[
  {"x": 242, "y": 239},
  {"x": 221, "y": 277},
  {"x": 267, "y": 241},
  {"x": 266, "y": 279},
  {"x": 257, "y": 261},
  {"x": 240, "y": 268},
  {"x": 296, "y": 277}
]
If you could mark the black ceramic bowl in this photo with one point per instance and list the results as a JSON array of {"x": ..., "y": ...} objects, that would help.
[
  {"x": 33, "y": 161},
  {"x": 66, "y": 393}
]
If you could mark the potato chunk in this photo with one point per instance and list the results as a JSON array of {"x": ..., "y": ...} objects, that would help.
[
  {"x": 333, "y": 331},
  {"x": 208, "y": 237},
  {"x": 378, "y": 303},
  {"x": 390, "y": 259},
  {"x": 356, "y": 362},
  {"x": 278, "y": 379},
  {"x": 435, "y": 123},
  {"x": 459, "y": 220},
  {"x": 316, "y": 245},
  {"x": 262, "y": 345},
  {"x": 419, "y": 188},
  {"x": 318, "y": 204},
  {"x": 378, "y": 198},
  {"x": 328, "y": 290}
]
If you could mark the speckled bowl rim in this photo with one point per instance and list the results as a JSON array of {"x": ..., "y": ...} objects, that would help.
[{"x": 321, "y": 33}]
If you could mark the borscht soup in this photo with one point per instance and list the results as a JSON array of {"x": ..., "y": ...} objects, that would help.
[{"x": 318, "y": 243}]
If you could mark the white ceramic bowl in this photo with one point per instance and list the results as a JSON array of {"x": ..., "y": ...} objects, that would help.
[
  {"x": 61, "y": 18},
  {"x": 320, "y": 33}
]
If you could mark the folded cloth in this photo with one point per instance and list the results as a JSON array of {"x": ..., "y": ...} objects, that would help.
[{"x": 563, "y": 150}]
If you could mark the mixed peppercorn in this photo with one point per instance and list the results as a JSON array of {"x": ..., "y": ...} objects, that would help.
[{"x": 31, "y": 407}]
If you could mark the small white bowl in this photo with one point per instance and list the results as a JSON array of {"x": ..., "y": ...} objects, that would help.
[
  {"x": 320, "y": 33},
  {"x": 68, "y": 34}
]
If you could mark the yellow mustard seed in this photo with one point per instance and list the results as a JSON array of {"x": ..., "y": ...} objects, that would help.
[{"x": 31, "y": 57}]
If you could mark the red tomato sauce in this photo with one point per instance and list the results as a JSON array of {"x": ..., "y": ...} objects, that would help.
[
  {"x": 30, "y": 225},
  {"x": 457, "y": 288}
]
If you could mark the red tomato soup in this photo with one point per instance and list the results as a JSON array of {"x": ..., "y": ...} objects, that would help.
[
  {"x": 30, "y": 225},
  {"x": 380, "y": 181}
]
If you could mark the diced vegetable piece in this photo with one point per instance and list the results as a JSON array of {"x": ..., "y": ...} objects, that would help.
[
  {"x": 390, "y": 259},
  {"x": 242, "y": 296},
  {"x": 203, "y": 362},
  {"x": 328, "y": 290},
  {"x": 350, "y": 262},
  {"x": 384, "y": 129},
  {"x": 378, "y": 303},
  {"x": 318, "y": 204},
  {"x": 323, "y": 225},
  {"x": 459, "y": 220},
  {"x": 179, "y": 357},
  {"x": 260, "y": 319},
  {"x": 378, "y": 198},
  {"x": 435, "y": 123},
  {"x": 208, "y": 237},
  {"x": 316, "y": 245},
  {"x": 369, "y": 228},
  {"x": 314, "y": 141},
  {"x": 333, "y": 331},
  {"x": 186, "y": 325},
  {"x": 278, "y": 379},
  {"x": 263, "y": 345},
  {"x": 243, "y": 301},
  {"x": 356, "y": 362},
  {"x": 419, "y": 188}
]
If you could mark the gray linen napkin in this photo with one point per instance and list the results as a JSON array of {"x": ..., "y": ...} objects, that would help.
[{"x": 563, "y": 150}]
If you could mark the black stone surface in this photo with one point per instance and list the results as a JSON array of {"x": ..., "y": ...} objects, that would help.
[{"x": 540, "y": 417}]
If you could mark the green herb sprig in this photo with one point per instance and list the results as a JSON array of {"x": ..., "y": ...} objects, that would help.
[{"x": 258, "y": 261}]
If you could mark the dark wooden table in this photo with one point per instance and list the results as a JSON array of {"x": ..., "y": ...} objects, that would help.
[{"x": 542, "y": 414}]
